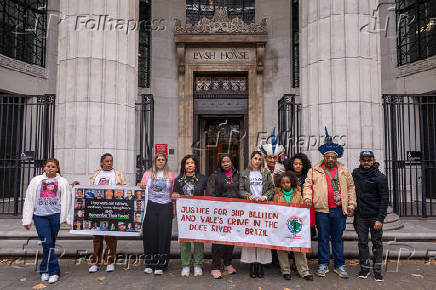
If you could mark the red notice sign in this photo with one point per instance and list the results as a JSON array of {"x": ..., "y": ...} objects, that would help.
[{"x": 161, "y": 148}]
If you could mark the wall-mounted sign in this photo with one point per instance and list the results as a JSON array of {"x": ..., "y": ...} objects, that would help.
[
  {"x": 414, "y": 155},
  {"x": 161, "y": 148},
  {"x": 220, "y": 55}
]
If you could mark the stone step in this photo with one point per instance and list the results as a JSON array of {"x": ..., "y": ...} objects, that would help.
[{"x": 134, "y": 248}]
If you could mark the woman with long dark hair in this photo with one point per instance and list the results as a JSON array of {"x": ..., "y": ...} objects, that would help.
[
  {"x": 224, "y": 182},
  {"x": 192, "y": 183}
]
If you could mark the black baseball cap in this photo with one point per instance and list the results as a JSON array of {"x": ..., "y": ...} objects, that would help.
[{"x": 366, "y": 153}]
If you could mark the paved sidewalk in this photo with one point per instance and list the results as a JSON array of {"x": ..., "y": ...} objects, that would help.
[{"x": 410, "y": 275}]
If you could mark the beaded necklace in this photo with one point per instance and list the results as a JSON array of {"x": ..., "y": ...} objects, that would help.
[{"x": 184, "y": 180}]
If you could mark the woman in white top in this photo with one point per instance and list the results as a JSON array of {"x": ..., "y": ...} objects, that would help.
[
  {"x": 48, "y": 203},
  {"x": 107, "y": 175},
  {"x": 157, "y": 225},
  {"x": 256, "y": 184}
]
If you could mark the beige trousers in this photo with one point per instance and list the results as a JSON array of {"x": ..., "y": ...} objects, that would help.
[{"x": 300, "y": 262}]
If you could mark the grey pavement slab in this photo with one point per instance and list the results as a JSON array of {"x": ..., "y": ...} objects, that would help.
[{"x": 408, "y": 275}]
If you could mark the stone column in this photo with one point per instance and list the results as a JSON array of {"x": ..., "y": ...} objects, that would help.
[
  {"x": 96, "y": 87},
  {"x": 340, "y": 76}
]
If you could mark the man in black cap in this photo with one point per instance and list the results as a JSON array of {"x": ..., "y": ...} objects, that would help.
[{"x": 372, "y": 202}]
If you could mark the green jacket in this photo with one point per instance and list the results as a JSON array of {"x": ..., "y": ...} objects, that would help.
[{"x": 267, "y": 184}]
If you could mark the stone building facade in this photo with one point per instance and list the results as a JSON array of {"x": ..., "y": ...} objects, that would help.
[{"x": 214, "y": 76}]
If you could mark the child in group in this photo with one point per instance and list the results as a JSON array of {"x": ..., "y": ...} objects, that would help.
[
  {"x": 48, "y": 202},
  {"x": 290, "y": 192}
]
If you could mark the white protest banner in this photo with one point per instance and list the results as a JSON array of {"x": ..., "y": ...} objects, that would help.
[
  {"x": 244, "y": 223},
  {"x": 108, "y": 210}
]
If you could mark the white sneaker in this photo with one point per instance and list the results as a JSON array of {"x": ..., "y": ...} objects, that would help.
[
  {"x": 93, "y": 269},
  {"x": 44, "y": 277},
  {"x": 148, "y": 270},
  {"x": 52, "y": 279},
  {"x": 110, "y": 268},
  {"x": 198, "y": 271},
  {"x": 185, "y": 272},
  {"x": 158, "y": 272}
]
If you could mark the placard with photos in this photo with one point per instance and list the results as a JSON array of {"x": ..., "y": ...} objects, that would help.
[{"x": 108, "y": 210}]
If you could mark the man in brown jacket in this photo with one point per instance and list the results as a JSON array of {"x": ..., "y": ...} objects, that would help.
[{"x": 330, "y": 188}]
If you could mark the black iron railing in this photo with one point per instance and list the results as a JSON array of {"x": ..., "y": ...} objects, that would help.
[
  {"x": 410, "y": 153},
  {"x": 145, "y": 140},
  {"x": 289, "y": 119},
  {"x": 27, "y": 140}
]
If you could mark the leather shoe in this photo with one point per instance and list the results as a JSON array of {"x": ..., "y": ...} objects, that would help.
[
  {"x": 260, "y": 272},
  {"x": 308, "y": 277},
  {"x": 287, "y": 276},
  {"x": 253, "y": 270}
]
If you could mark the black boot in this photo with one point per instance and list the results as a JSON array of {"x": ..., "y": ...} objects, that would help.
[
  {"x": 260, "y": 272},
  {"x": 253, "y": 270}
]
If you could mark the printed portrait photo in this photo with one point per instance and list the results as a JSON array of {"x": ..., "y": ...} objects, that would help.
[
  {"x": 138, "y": 205},
  {"x": 138, "y": 227},
  {"x": 139, "y": 194},
  {"x": 49, "y": 189},
  {"x": 89, "y": 193},
  {"x": 138, "y": 217},
  {"x": 119, "y": 194},
  {"x": 99, "y": 194},
  {"x": 108, "y": 194},
  {"x": 77, "y": 225},
  {"x": 121, "y": 226},
  {"x": 87, "y": 225},
  {"x": 130, "y": 228},
  {"x": 113, "y": 226},
  {"x": 78, "y": 214},
  {"x": 79, "y": 204},
  {"x": 79, "y": 193},
  {"x": 95, "y": 226},
  {"x": 129, "y": 195},
  {"x": 103, "y": 226}
]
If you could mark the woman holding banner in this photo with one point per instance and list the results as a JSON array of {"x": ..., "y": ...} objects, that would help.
[
  {"x": 48, "y": 203},
  {"x": 256, "y": 184},
  {"x": 158, "y": 182},
  {"x": 106, "y": 175},
  {"x": 192, "y": 183},
  {"x": 224, "y": 182}
]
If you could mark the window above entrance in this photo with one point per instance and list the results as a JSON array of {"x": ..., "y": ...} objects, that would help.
[{"x": 196, "y": 9}]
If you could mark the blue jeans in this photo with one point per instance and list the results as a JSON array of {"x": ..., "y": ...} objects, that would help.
[
  {"x": 331, "y": 226},
  {"x": 47, "y": 228}
]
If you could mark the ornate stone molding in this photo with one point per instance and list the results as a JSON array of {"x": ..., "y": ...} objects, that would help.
[
  {"x": 23, "y": 67},
  {"x": 416, "y": 67},
  {"x": 220, "y": 23}
]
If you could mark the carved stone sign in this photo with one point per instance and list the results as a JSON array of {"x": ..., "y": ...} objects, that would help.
[{"x": 221, "y": 55}]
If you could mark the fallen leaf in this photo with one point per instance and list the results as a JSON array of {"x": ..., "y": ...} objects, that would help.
[
  {"x": 101, "y": 278},
  {"x": 125, "y": 268},
  {"x": 23, "y": 279},
  {"x": 5, "y": 261},
  {"x": 39, "y": 286},
  {"x": 287, "y": 289},
  {"x": 417, "y": 276}
]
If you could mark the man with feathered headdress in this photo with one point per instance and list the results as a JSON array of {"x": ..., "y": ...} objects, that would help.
[
  {"x": 271, "y": 152},
  {"x": 329, "y": 186}
]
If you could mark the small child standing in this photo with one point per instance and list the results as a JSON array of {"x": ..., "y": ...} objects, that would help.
[
  {"x": 290, "y": 192},
  {"x": 48, "y": 203}
]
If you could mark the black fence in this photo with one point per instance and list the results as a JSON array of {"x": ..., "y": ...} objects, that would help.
[
  {"x": 26, "y": 132},
  {"x": 289, "y": 119},
  {"x": 410, "y": 153},
  {"x": 145, "y": 142}
]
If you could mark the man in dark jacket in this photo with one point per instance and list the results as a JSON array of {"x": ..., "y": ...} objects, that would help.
[{"x": 372, "y": 202}]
